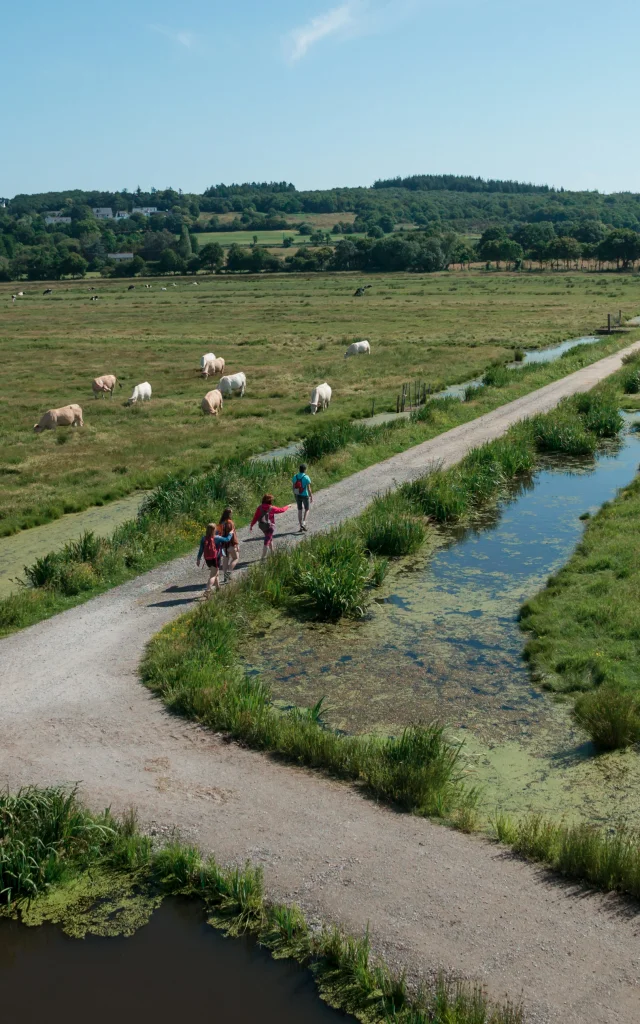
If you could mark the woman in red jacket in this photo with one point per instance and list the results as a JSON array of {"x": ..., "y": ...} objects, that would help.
[{"x": 264, "y": 516}]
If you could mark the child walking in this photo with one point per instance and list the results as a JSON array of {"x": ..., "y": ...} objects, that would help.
[
  {"x": 264, "y": 516},
  {"x": 303, "y": 494},
  {"x": 230, "y": 549},
  {"x": 210, "y": 547}
]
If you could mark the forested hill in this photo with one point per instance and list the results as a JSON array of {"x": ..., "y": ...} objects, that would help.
[{"x": 437, "y": 201}]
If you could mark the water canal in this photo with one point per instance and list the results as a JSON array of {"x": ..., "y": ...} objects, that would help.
[
  {"x": 174, "y": 968},
  {"x": 444, "y": 642}
]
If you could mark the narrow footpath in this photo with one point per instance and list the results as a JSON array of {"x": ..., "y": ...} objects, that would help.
[{"x": 73, "y": 710}]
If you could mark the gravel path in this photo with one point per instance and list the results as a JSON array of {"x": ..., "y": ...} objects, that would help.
[{"x": 73, "y": 710}]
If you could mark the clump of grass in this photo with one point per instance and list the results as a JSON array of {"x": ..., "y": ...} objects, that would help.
[
  {"x": 387, "y": 529},
  {"x": 610, "y": 715},
  {"x": 608, "y": 860},
  {"x": 518, "y": 355},
  {"x": 562, "y": 433},
  {"x": 418, "y": 771},
  {"x": 599, "y": 411},
  {"x": 631, "y": 381},
  {"x": 327, "y": 438},
  {"x": 496, "y": 377},
  {"x": 44, "y": 833}
]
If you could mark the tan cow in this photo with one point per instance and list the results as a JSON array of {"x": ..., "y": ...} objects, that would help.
[
  {"x": 105, "y": 383},
  {"x": 213, "y": 367},
  {"x": 211, "y": 404},
  {"x": 68, "y": 416}
]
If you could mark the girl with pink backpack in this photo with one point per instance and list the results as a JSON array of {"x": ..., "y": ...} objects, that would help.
[
  {"x": 210, "y": 545},
  {"x": 264, "y": 516}
]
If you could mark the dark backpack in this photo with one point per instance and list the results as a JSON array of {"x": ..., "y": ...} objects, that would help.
[
  {"x": 264, "y": 523},
  {"x": 210, "y": 550}
]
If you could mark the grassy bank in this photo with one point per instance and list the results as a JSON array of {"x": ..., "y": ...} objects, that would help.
[
  {"x": 286, "y": 333},
  {"x": 585, "y": 625},
  {"x": 171, "y": 520},
  {"x": 49, "y": 843}
]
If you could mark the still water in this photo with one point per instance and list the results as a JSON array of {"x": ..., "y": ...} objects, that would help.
[{"x": 175, "y": 968}]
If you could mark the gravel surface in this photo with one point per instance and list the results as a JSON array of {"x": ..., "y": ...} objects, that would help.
[{"x": 74, "y": 711}]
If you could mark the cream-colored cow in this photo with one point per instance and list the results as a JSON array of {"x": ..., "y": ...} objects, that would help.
[
  {"x": 104, "y": 384},
  {"x": 68, "y": 416},
  {"x": 211, "y": 404}
]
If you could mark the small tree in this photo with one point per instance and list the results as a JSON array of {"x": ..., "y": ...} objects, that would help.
[
  {"x": 211, "y": 257},
  {"x": 74, "y": 264},
  {"x": 170, "y": 262},
  {"x": 184, "y": 245}
]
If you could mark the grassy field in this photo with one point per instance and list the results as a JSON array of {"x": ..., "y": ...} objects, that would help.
[
  {"x": 245, "y": 238},
  {"x": 286, "y": 332}
]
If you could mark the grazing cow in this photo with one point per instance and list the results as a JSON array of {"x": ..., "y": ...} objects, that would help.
[
  {"x": 359, "y": 348},
  {"x": 211, "y": 404},
  {"x": 47, "y": 291},
  {"x": 68, "y": 416},
  {"x": 105, "y": 383},
  {"x": 174, "y": 284},
  {"x": 234, "y": 382},
  {"x": 212, "y": 367},
  {"x": 20, "y": 295},
  {"x": 163, "y": 289},
  {"x": 94, "y": 298},
  {"x": 131, "y": 287},
  {"x": 141, "y": 392},
  {"x": 13, "y": 299},
  {"x": 320, "y": 398},
  {"x": 361, "y": 290},
  {"x": 195, "y": 283}
]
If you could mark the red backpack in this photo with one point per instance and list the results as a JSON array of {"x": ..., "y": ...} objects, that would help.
[{"x": 210, "y": 550}]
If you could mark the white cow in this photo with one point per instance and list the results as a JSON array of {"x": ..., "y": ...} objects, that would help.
[
  {"x": 234, "y": 382},
  {"x": 211, "y": 404},
  {"x": 359, "y": 348},
  {"x": 208, "y": 357},
  {"x": 320, "y": 398},
  {"x": 68, "y": 416},
  {"x": 213, "y": 367},
  {"x": 140, "y": 392},
  {"x": 104, "y": 384}
]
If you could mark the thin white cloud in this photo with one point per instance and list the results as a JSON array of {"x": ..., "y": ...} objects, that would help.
[
  {"x": 337, "y": 20},
  {"x": 182, "y": 36}
]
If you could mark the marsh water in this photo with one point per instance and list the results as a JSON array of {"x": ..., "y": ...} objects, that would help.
[
  {"x": 175, "y": 968},
  {"x": 444, "y": 642}
]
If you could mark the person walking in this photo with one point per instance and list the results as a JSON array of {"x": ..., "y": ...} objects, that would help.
[
  {"x": 303, "y": 494},
  {"x": 210, "y": 545},
  {"x": 230, "y": 550},
  {"x": 264, "y": 516}
]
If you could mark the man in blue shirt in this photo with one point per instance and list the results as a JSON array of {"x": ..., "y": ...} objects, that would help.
[{"x": 303, "y": 495}]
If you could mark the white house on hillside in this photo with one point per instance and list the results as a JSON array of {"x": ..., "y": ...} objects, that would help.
[
  {"x": 103, "y": 213},
  {"x": 119, "y": 257},
  {"x": 52, "y": 218}
]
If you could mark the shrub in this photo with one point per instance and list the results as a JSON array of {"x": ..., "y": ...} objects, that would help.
[
  {"x": 441, "y": 495},
  {"x": 45, "y": 571},
  {"x": 41, "y": 833},
  {"x": 419, "y": 771},
  {"x": 387, "y": 531},
  {"x": 496, "y": 377},
  {"x": 561, "y": 433},
  {"x": 610, "y": 715},
  {"x": 332, "y": 437},
  {"x": 76, "y": 577},
  {"x": 518, "y": 355},
  {"x": 599, "y": 410}
]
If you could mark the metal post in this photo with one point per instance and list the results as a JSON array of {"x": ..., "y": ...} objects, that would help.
[{"x": 608, "y": 323}]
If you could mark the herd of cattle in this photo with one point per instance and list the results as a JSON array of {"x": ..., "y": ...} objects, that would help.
[{"x": 211, "y": 404}]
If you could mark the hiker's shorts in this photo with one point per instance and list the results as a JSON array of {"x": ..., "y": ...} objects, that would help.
[{"x": 302, "y": 501}]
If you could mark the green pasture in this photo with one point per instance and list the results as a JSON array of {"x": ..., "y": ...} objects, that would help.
[
  {"x": 286, "y": 332},
  {"x": 245, "y": 238}
]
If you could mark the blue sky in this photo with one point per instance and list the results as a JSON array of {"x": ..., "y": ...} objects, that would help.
[{"x": 318, "y": 92}]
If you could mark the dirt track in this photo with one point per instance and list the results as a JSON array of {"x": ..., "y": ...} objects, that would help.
[{"x": 73, "y": 710}]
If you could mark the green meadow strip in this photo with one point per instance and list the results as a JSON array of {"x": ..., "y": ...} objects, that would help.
[{"x": 49, "y": 843}]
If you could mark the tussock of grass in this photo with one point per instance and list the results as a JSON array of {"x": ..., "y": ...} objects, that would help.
[
  {"x": 610, "y": 715},
  {"x": 608, "y": 860}
]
